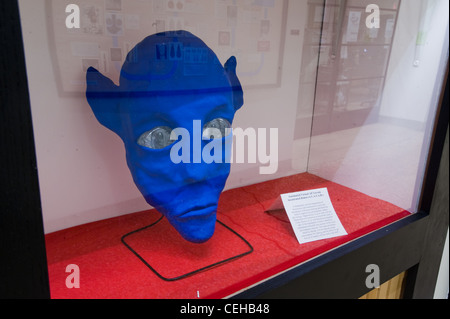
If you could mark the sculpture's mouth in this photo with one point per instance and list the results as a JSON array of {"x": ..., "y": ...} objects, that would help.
[
  {"x": 198, "y": 212},
  {"x": 196, "y": 224}
]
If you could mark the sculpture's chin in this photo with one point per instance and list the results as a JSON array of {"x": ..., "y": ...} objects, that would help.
[{"x": 196, "y": 226}]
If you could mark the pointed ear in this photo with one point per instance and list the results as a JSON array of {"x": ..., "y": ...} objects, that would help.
[
  {"x": 104, "y": 98},
  {"x": 238, "y": 94}
]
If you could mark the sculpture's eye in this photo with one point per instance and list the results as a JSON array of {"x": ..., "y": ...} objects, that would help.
[
  {"x": 156, "y": 139},
  {"x": 217, "y": 128}
]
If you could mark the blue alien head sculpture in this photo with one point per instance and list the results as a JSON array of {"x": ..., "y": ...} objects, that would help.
[{"x": 172, "y": 85}]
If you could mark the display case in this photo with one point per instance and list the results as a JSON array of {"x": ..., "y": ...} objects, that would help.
[{"x": 103, "y": 199}]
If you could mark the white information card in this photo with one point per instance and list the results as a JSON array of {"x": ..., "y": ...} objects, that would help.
[{"x": 312, "y": 215}]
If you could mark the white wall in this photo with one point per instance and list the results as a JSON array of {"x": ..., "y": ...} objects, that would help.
[
  {"x": 277, "y": 107},
  {"x": 82, "y": 170}
]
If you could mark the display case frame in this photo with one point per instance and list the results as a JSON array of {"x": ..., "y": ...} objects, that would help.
[{"x": 413, "y": 244}]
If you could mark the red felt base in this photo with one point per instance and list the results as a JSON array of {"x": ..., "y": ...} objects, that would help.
[
  {"x": 171, "y": 258},
  {"x": 108, "y": 269}
]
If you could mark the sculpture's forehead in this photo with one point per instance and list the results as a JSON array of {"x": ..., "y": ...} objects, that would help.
[
  {"x": 164, "y": 111},
  {"x": 181, "y": 103},
  {"x": 172, "y": 62}
]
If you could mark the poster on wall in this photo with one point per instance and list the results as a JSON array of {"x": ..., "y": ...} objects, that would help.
[{"x": 251, "y": 30}]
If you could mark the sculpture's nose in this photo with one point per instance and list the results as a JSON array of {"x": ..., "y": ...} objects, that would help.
[{"x": 195, "y": 173}]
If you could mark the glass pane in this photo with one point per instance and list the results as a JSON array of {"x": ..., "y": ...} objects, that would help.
[{"x": 146, "y": 148}]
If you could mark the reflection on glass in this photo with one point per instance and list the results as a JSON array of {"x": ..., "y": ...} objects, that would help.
[{"x": 373, "y": 105}]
